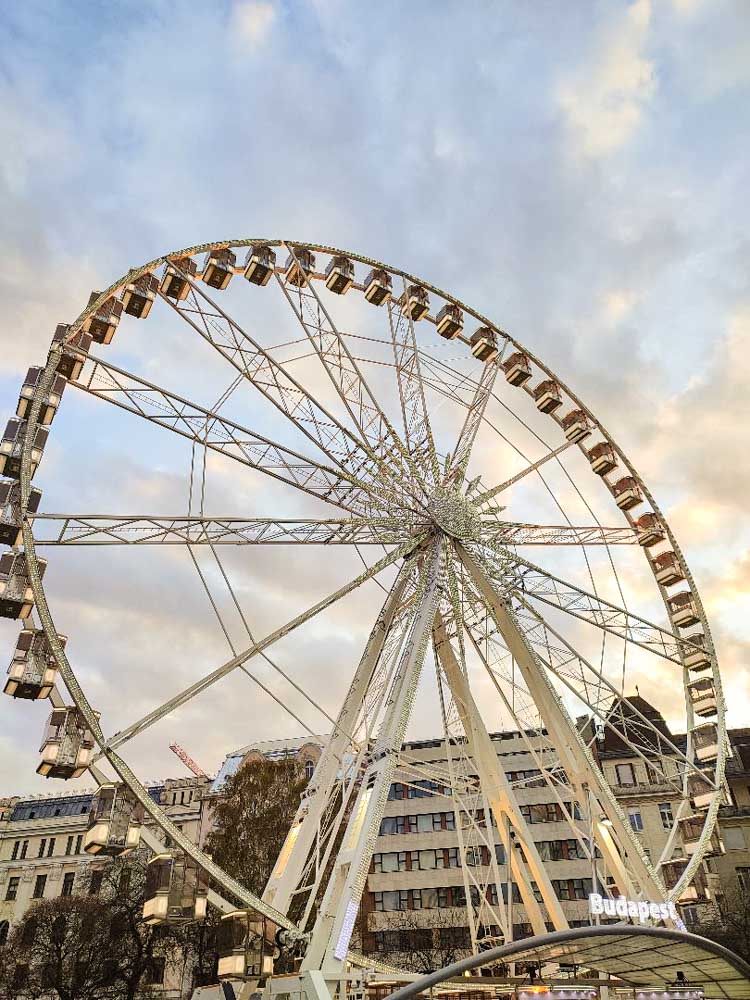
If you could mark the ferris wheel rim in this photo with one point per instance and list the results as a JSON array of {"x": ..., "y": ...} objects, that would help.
[{"x": 29, "y": 543}]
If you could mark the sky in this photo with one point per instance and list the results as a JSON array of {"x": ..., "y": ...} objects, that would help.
[{"x": 577, "y": 172}]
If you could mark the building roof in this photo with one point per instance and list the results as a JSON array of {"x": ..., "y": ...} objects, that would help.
[{"x": 272, "y": 749}]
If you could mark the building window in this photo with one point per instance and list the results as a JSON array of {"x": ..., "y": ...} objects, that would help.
[
  {"x": 636, "y": 820},
  {"x": 743, "y": 877},
  {"x": 12, "y": 890},
  {"x": 39, "y": 884},
  {"x": 42, "y": 845},
  {"x": 667, "y": 818},
  {"x": 79, "y": 841},
  {"x": 14, "y": 852},
  {"x": 155, "y": 972},
  {"x": 51, "y": 847},
  {"x": 625, "y": 774},
  {"x": 4, "y": 928},
  {"x": 690, "y": 914},
  {"x": 24, "y": 849},
  {"x": 309, "y": 768},
  {"x": 734, "y": 838},
  {"x": 95, "y": 883},
  {"x": 67, "y": 886},
  {"x": 69, "y": 846}
]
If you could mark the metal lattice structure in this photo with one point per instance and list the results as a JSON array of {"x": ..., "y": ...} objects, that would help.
[{"x": 405, "y": 432}]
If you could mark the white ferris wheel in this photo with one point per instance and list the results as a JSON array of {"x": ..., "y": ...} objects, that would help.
[{"x": 527, "y": 576}]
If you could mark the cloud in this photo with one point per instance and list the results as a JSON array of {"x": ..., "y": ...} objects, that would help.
[
  {"x": 252, "y": 21},
  {"x": 603, "y": 102}
]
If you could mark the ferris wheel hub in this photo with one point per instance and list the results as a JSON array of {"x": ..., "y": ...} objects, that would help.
[{"x": 454, "y": 514}]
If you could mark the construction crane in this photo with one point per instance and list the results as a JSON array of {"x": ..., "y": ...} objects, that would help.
[{"x": 187, "y": 760}]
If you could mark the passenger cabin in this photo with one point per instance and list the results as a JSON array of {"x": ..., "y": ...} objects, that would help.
[
  {"x": 218, "y": 268},
  {"x": 339, "y": 275},
  {"x": 245, "y": 942},
  {"x": 695, "y": 655},
  {"x": 115, "y": 822},
  {"x": 11, "y": 448},
  {"x": 602, "y": 458},
  {"x": 299, "y": 264},
  {"x": 667, "y": 569},
  {"x": 683, "y": 609},
  {"x": 548, "y": 396},
  {"x": 700, "y": 790},
  {"x": 517, "y": 368},
  {"x": 449, "y": 321},
  {"x": 672, "y": 872},
  {"x": 33, "y": 669},
  {"x": 484, "y": 344},
  {"x": 415, "y": 302},
  {"x": 16, "y": 595},
  {"x": 378, "y": 286},
  {"x": 691, "y": 830},
  {"x": 68, "y": 365},
  {"x": 10, "y": 511},
  {"x": 706, "y": 742},
  {"x": 103, "y": 322},
  {"x": 139, "y": 295},
  {"x": 50, "y": 401},
  {"x": 627, "y": 493},
  {"x": 703, "y": 696},
  {"x": 576, "y": 425},
  {"x": 176, "y": 890},
  {"x": 175, "y": 282},
  {"x": 650, "y": 530},
  {"x": 68, "y": 745},
  {"x": 260, "y": 263}
]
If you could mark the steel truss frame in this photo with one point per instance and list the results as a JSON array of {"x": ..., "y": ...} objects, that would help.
[{"x": 448, "y": 586}]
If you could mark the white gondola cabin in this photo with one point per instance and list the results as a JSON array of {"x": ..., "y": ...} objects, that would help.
[
  {"x": 10, "y": 510},
  {"x": 68, "y": 745},
  {"x": 576, "y": 425},
  {"x": 667, "y": 569},
  {"x": 16, "y": 595},
  {"x": 602, "y": 458},
  {"x": 176, "y": 890},
  {"x": 50, "y": 401},
  {"x": 378, "y": 286},
  {"x": 484, "y": 344},
  {"x": 706, "y": 742},
  {"x": 701, "y": 790},
  {"x": 517, "y": 368},
  {"x": 299, "y": 264},
  {"x": 695, "y": 654},
  {"x": 339, "y": 275},
  {"x": 449, "y": 321},
  {"x": 218, "y": 268},
  {"x": 650, "y": 530},
  {"x": 684, "y": 610},
  {"x": 175, "y": 282},
  {"x": 703, "y": 697},
  {"x": 548, "y": 396},
  {"x": 139, "y": 295},
  {"x": 69, "y": 366},
  {"x": 260, "y": 264},
  {"x": 33, "y": 670},
  {"x": 415, "y": 302},
  {"x": 115, "y": 822},
  {"x": 627, "y": 493},
  {"x": 11, "y": 448},
  {"x": 691, "y": 830},
  {"x": 246, "y": 945},
  {"x": 103, "y": 323}
]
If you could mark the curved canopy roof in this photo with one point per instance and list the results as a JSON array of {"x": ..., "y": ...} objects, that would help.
[{"x": 637, "y": 956}]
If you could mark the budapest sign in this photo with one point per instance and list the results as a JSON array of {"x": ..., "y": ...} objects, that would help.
[{"x": 638, "y": 908}]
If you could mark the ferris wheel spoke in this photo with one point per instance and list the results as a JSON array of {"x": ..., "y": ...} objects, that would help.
[
  {"x": 379, "y": 438},
  {"x": 521, "y": 578},
  {"x": 179, "y": 415},
  {"x": 205, "y": 682},
  {"x": 498, "y": 532},
  {"x": 272, "y": 379},
  {"x": 134, "y": 529},
  {"x": 477, "y": 406},
  {"x": 419, "y": 440},
  {"x": 488, "y": 495},
  {"x": 621, "y": 848}
]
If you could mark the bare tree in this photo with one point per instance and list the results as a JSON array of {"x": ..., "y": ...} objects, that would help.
[
  {"x": 422, "y": 940},
  {"x": 730, "y": 925}
]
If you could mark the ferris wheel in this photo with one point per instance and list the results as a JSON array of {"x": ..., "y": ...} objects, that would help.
[{"x": 530, "y": 580}]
